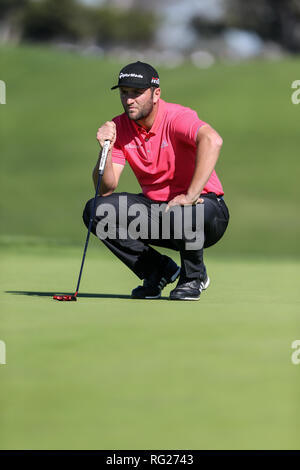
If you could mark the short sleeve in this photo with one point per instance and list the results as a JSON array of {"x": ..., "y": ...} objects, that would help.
[
  {"x": 117, "y": 155},
  {"x": 186, "y": 125}
]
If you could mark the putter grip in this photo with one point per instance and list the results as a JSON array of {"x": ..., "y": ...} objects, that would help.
[{"x": 103, "y": 156}]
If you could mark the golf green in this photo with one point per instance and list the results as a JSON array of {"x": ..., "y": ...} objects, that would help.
[{"x": 109, "y": 372}]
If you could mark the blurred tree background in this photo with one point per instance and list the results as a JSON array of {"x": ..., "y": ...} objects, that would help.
[
  {"x": 135, "y": 23},
  {"x": 70, "y": 20},
  {"x": 274, "y": 20}
]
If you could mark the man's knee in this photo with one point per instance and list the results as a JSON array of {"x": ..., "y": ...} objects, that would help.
[
  {"x": 87, "y": 212},
  {"x": 112, "y": 199}
]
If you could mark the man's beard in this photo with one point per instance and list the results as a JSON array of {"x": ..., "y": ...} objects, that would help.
[{"x": 143, "y": 113}]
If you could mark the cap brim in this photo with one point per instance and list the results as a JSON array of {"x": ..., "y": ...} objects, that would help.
[{"x": 131, "y": 85}]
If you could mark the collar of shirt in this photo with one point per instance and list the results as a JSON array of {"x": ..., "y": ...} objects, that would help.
[{"x": 157, "y": 121}]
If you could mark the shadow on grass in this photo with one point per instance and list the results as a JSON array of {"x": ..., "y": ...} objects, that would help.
[{"x": 86, "y": 295}]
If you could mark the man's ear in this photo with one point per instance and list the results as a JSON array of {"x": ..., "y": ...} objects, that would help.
[{"x": 156, "y": 95}]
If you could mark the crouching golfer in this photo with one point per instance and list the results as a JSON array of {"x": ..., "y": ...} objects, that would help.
[{"x": 173, "y": 155}]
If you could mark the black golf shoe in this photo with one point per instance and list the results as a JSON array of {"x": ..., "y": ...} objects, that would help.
[
  {"x": 153, "y": 285},
  {"x": 189, "y": 289}
]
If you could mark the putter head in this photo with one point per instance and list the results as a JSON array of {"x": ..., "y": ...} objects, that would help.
[{"x": 67, "y": 298}]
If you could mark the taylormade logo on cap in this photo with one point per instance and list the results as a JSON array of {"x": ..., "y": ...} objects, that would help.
[
  {"x": 122, "y": 75},
  {"x": 138, "y": 75}
]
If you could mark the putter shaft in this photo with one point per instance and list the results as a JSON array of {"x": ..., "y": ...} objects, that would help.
[{"x": 104, "y": 153}]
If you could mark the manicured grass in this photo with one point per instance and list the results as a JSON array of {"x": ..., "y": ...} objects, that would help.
[{"x": 109, "y": 372}]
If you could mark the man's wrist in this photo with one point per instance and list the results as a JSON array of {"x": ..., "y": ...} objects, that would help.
[{"x": 192, "y": 196}]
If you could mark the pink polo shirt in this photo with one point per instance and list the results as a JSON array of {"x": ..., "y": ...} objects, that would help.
[{"x": 163, "y": 159}]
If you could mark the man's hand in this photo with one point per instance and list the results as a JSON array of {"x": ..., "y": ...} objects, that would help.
[
  {"x": 107, "y": 132},
  {"x": 183, "y": 200}
]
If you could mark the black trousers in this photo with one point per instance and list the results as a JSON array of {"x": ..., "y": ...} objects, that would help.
[{"x": 139, "y": 254}]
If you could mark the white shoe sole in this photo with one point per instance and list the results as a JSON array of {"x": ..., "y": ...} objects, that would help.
[
  {"x": 154, "y": 297},
  {"x": 188, "y": 298}
]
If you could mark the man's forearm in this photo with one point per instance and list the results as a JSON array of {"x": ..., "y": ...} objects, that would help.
[
  {"x": 208, "y": 150},
  {"x": 108, "y": 183}
]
